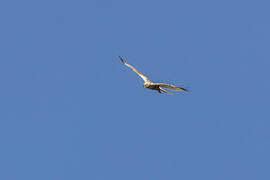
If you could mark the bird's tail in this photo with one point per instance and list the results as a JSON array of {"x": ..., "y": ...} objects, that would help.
[{"x": 165, "y": 91}]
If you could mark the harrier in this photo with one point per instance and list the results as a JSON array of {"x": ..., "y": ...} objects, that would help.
[{"x": 154, "y": 86}]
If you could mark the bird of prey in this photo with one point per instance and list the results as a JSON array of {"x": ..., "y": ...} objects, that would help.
[{"x": 153, "y": 86}]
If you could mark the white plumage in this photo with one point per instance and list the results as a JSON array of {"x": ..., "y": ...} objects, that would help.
[{"x": 154, "y": 86}]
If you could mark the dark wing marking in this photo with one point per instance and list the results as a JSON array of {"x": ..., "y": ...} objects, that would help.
[{"x": 171, "y": 87}]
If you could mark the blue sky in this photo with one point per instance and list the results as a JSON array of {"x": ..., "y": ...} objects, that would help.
[{"x": 71, "y": 110}]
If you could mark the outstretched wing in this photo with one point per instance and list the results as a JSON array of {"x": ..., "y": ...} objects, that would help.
[
  {"x": 161, "y": 89},
  {"x": 135, "y": 70},
  {"x": 171, "y": 87}
]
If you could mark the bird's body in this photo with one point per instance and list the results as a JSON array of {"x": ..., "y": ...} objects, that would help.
[{"x": 153, "y": 86}]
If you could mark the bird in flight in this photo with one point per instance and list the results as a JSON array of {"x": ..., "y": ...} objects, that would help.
[{"x": 153, "y": 86}]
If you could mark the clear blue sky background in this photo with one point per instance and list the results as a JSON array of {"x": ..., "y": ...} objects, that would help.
[{"x": 71, "y": 110}]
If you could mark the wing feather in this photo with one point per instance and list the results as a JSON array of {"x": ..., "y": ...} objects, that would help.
[
  {"x": 170, "y": 87},
  {"x": 135, "y": 70}
]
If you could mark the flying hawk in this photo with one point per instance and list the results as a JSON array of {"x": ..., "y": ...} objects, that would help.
[{"x": 150, "y": 85}]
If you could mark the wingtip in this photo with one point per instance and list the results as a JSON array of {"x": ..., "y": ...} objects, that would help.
[
  {"x": 121, "y": 59},
  {"x": 184, "y": 89}
]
